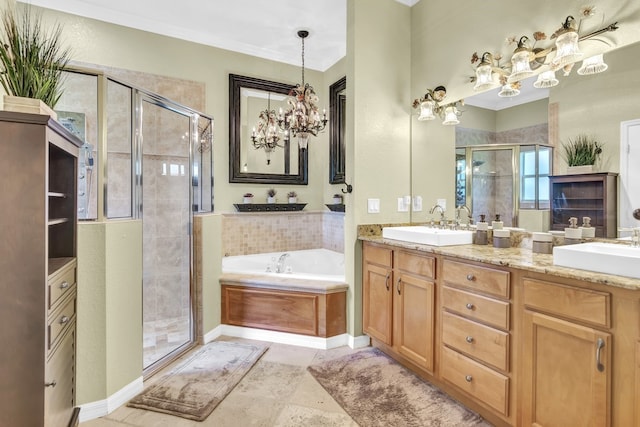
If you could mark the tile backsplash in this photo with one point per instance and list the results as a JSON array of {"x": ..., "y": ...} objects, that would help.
[{"x": 251, "y": 233}]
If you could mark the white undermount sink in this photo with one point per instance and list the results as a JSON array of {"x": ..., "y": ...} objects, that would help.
[
  {"x": 609, "y": 258},
  {"x": 428, "y": 235}
]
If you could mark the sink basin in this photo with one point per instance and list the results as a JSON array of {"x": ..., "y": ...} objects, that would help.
[
  {"x": 428, "y": 235},
  {"x": 609, "y": 258}
]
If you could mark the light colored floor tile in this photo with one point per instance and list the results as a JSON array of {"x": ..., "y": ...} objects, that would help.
[
  {"x": 290, "y": 355},
  {"x": 295, "y": 416},
  {"x": 269, "y": 379},
  {"x": 246, "y": 411},
  {"x": 144, "y": 418},
  {"x": 334, "y": 353},
  {"x": 311, "y": 394},
  {"x": 104, "y": 422}
]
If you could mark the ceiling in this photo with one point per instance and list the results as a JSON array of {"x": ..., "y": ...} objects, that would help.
[{"x": 266, "y": 29}]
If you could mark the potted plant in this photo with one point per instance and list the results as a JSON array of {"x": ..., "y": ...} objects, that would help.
[
  {"x": 293, "y": 197},
  {"x": 337, "y": 199},
  {"x": 581, "y": 153},
  {"x": 271, "y": 195},
  {"x": 32, "y": 61},
  {"x": 247, "y": 198}
]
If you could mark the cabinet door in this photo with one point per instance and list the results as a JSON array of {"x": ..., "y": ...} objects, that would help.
[
  {"x": 414, "y": 319},
  {"x": 377, "y": 302},
  {"x": 566, "y": 375}
]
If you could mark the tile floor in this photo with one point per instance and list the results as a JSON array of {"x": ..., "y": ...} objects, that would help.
[{"x": 278, "y": 391}]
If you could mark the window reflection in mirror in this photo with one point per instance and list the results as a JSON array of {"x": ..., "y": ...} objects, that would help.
[
  {"x": 535, "y": 168},
  {"x": 287, "y": 164}
]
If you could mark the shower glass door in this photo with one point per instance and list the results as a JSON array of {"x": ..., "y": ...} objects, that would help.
[
  {"x": 493, "y": 184},
  {"x": 164, "y": 177}
]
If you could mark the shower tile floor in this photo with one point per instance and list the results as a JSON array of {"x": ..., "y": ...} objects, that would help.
[
  {"x": 163, "y": 336},
  {"x": 291, "y": 400}
]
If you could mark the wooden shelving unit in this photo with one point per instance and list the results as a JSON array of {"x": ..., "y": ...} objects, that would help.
[{"x": 593, "y": 195}]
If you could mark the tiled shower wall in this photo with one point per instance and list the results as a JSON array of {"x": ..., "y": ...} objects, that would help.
[{"x": 249, "y": 233}]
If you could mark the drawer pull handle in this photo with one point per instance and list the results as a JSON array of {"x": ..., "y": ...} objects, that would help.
[
  {"x": 51, "y": 384},
  {"x": 386, "y": 281},
  {"x": 469, "y": 306},
  {"x": 398, "y": 286},
  {"x": 469, "y": 339},
  {"x": 64, "y": 285},
  {"x": 469, "y": 378},
  {"x": 63, "y": 320},
  {"x": 599, "y": 347},
  {"x": 471, "y": 277}
]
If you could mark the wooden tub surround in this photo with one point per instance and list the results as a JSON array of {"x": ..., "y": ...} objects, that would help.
[{"x": 297, "y": 306}]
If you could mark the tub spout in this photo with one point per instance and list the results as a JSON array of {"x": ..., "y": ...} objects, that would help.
[{"x": 280, "y": 263}]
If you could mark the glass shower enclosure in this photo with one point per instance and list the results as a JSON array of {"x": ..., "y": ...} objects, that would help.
[{"x": 146, "y": 158}]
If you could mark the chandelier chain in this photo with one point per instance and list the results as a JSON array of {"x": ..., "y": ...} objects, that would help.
[{"x": 302, "y": 61}]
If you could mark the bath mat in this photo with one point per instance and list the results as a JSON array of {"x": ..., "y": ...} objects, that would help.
[
  {"x": 196, "y": 386},
  {"x": 375, "y": 390}
]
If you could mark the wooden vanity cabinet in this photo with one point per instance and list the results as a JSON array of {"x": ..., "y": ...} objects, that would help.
[
  {"x": 567, "y": 355},
  {"x": 38, "y": 214},
  {"x": 476, "y": 339},
  {"x": 399, "y": 301}
]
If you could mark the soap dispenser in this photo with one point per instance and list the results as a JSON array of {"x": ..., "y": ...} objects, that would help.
[
  {"x": 496, "y": 224},
  {"x": 481, "y": 231},
  {"x": 588, "y": 232},
  {"x": 573, "y": 234}
]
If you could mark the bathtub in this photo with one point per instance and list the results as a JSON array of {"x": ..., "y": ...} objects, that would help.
[
  {"x": 309, "y": 298},
  {"x": 309, "y": 264}
]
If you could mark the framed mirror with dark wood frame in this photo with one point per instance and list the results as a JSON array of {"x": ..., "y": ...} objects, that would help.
[
  {"x": 337, "y": 101},
  {"x": 287, "y": 163}
]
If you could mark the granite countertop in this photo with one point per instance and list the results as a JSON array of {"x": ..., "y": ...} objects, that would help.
[{"x": 517, "y": 257}]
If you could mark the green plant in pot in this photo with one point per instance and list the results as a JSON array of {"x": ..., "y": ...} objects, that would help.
[
  {"x": 32, "y": 59},
  {"x": 583, "y": 150}
]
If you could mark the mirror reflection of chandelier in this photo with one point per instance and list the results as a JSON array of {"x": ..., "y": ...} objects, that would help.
[
  {"x": 267, "y": 135},
  {"x": 302, "y": 119}
]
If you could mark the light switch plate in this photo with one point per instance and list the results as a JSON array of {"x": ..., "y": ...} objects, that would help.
[
  {"x": 417, "y": 204},
  {"x": 373, "y": 205},
  {"x": 442, "y": 203},
  {"x": 402, "y": 206}
]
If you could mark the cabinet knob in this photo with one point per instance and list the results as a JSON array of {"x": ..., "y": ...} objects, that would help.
[
  {"x": 471, "y": 277},
  {"x": 63, "y": 320},
  {"x": 51, "y": 384},
  {"x": 469, "y": 378},
  {"x": 469, "y": 306},
  {"x": 469, "y": 339},
  {"x": 64, "y": 285}
]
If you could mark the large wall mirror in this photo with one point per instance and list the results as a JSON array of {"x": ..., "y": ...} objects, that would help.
[
  {"x": 287, "y": 163},
  {"x": 337, "y": 101}
]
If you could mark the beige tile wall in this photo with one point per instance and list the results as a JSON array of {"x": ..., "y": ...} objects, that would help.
[{"x": 251, "y": 233}]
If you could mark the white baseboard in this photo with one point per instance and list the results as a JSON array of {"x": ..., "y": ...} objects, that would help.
[
  {"x": 93, "y": 410},
  {"x": 287, "y": 338}
]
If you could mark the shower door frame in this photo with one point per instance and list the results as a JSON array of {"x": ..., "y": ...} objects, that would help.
[{"x": 137, "y": 207}]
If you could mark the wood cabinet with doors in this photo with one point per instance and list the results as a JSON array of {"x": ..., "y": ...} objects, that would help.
[
  {"x": 567, "y": 358},
  {"x": 399, "y": 301},
  {"x": 476, "y": 340},
  {"x": 38, "y": 214},
  {"x": 593, "y": 195}
]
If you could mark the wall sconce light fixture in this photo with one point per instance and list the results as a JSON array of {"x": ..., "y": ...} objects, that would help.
[{"x": 431, "y": 105}]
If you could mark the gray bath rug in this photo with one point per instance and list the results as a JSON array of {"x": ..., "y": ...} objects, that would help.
[
  {"x": 375, "y": 390},
  {"x": 196, "y": 386}
]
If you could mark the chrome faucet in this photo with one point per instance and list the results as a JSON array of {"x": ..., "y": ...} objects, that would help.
[
  {"x": 442, "y": 219},
  {"x": 280, "y": 263},
  {"x": 469, "y": 214}
]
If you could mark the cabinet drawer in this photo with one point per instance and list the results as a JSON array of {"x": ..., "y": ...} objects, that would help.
[
  {"x": 410, "y": 262},
  {"x": 481, "y": 279},
  {"x": 486, "y": 310},
  {"x": 59, "y": 399},
  {"x": 567, "y": 301},
  {"x": 377, "y": 255},
  {"x": 484, "y": 384},
  {"x": 60, "y": 321},
  {"x": 59, "y": 285},
  {"x": 478, "y": 341}
]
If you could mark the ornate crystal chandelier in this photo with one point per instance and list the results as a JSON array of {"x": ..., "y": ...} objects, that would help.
[
  {"x": 302, "y": 118},
  {"x": 267, "y": 135}
]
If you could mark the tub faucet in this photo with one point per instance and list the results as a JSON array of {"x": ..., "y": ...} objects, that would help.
[{"x": 280, "y": 263}]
